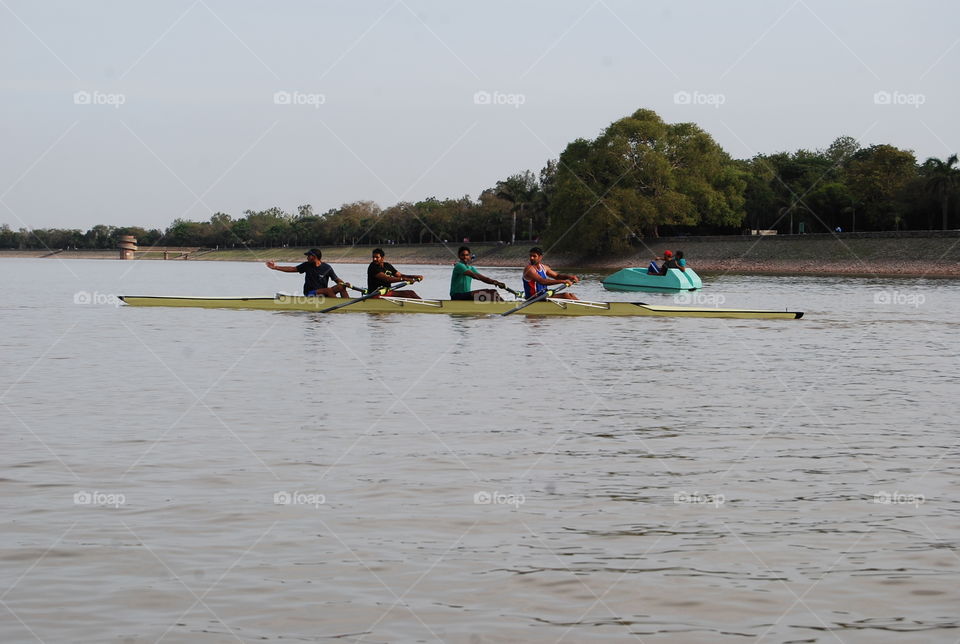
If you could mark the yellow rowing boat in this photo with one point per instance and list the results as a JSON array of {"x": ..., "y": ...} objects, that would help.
[{"x": 551, "y": 306}]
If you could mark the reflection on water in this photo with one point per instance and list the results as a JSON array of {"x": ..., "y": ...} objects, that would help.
[{"x": 211, "y": 476}]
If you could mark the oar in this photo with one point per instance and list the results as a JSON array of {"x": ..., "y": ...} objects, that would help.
[
  {"x": 536, "y": 298},
  {"x": 380, "y": 291},
  {"x": 516, "y": 294}
]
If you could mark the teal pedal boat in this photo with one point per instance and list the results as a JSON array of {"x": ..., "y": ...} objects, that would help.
[{"x": 638, "y": 279}]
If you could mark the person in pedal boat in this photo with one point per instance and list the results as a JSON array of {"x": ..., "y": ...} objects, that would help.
[
  {"x": 462, "y": 279},
  {"x": 316, "y": 275},
  {"x": 668, "y": 262},
  {"x": 537, "y": 276},
  {"x": 382, "y": 274},
  {"x": 681, "y": 262}
]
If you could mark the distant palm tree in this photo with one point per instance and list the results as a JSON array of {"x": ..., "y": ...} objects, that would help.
[
  {"x": 519, "y": 190},
  {"x": 942, "y": 179}
]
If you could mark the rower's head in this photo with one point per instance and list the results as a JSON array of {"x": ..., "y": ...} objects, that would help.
[
  {"x": 667, "y": 254},
  {"x": 314, "y": 255},
  {"x": 378, "y": 255},
  {"x": 464, "y": 253},
  {"x": 536, "y": 254}
]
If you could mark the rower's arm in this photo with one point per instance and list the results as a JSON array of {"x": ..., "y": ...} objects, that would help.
[
  {"x": 397, "y": 277},
  {"x": 563, "y": 277},
  {"x": 282, "y": 269},
  {"x": 532, "y": 275},
  {"x": 484, "y": 278}
]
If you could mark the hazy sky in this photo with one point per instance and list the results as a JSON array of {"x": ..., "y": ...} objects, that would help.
[{"x": 138, "y": 113}]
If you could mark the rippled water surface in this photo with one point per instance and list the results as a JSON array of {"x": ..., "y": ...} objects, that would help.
[{"x": 475, "y": 479}]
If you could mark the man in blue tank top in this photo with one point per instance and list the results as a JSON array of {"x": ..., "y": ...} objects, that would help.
[{"x": 537, "y": 276}]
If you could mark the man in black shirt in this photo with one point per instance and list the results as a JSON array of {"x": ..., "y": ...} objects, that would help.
[
  {"x": 316, "y": 275},
  {"x": 668, "y": 262},
  {"x": 382, "y": 274}
]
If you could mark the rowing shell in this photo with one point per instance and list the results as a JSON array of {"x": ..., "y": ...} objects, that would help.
[{"x": 553, "y": 306}]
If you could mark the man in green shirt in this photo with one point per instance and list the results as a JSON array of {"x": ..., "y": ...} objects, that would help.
[{"x": 462, "y": 280}]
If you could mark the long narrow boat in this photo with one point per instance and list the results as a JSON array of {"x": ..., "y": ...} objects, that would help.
[{"x": 553, "y": 306}]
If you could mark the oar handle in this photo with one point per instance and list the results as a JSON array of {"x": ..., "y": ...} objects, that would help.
[
  {"x": 548, "y": 293},
  {"x": 516, "y": 294}
]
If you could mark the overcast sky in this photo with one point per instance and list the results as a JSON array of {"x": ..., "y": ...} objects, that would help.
[{"x": 139, "y": 113}]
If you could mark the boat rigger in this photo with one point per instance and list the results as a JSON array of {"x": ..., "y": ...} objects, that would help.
[{"x": 548, "y": 307}]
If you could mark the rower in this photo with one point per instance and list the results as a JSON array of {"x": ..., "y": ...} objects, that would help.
[
  {"x": 537, "y": 276},
  {"x": 668, "y": 262},
  {"x": 681, "y": 262},
  {"x": 462, "y": 279},
  {"x": 317, "y": 275},
  {"x": 382, "y": 274}
]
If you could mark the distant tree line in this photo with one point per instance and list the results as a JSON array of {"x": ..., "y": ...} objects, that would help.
[{"x": 641, "y": 178}]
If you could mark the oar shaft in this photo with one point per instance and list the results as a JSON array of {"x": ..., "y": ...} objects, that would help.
[
  {"x": 533, "y": 300},
  {"x": 383, "y": 290}
]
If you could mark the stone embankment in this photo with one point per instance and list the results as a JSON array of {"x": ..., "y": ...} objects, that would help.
[{"x": 908, "y": 254}]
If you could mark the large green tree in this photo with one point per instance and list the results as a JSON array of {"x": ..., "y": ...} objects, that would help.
[
  {"x": 877, "y": 178},
  {"x": 639, "y": 174}
]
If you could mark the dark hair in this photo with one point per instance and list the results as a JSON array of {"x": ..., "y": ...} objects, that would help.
[
  {"x": 679, "y": 254},
  {"x": 536, "y": 250},
  {"x": 378, "y": 251},
  {"x": 463, "y": 248}
]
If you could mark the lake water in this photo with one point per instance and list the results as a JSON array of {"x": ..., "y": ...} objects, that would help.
[{"x": 187, "y": 475}]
